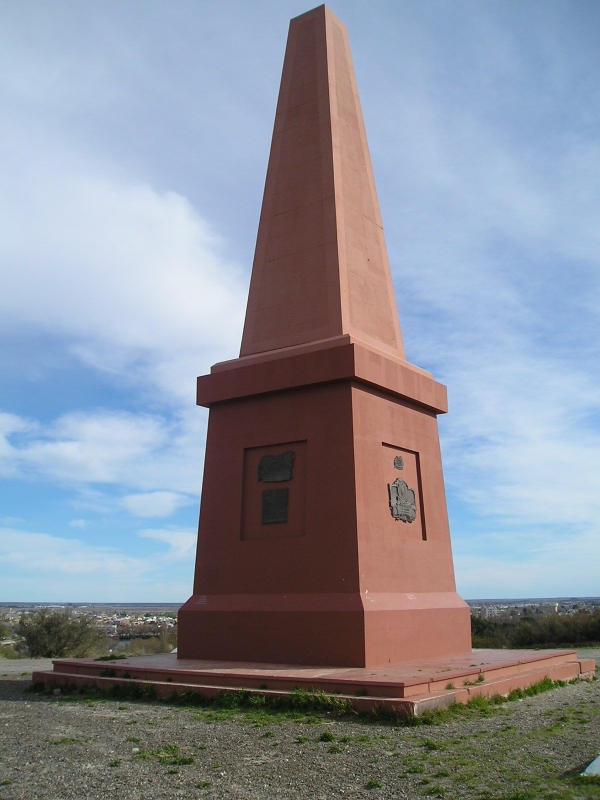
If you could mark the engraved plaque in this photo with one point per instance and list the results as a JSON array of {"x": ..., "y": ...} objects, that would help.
[
  {"x": 274, "y": 505},
  {"x": 402, "y": 501},
  {"x": 399, "y": 462},
  {"x": 274, "y": 469}
]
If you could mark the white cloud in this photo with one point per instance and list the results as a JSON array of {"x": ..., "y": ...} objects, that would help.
[
  {"x": 40, "y": 553},
  {"x": 139, "y": 451},
  {"x": 155, "y": 504},
  {"x": 133, "y": 277},
  {"x": 182, "y": 543},
  {"x": 80, "y": 524},
  {"x": 40, "y": 567}
]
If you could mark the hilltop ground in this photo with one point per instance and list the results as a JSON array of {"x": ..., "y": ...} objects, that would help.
[{"x": 56, "y": 748}]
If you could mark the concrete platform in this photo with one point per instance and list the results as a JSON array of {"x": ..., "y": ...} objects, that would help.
[{"x": 408, "y": 689}]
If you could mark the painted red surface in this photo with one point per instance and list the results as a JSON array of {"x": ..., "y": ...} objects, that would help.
[{"x": 322, "y": 373}]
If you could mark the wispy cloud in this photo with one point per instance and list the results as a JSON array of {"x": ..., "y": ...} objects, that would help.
[
  {"x": 37, "y": 566},
  {"x": 137, "y": 451},
  {"x": 155, "y": 504}
]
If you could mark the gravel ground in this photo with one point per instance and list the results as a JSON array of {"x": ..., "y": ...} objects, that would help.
[{"x": 56, "y": 748}]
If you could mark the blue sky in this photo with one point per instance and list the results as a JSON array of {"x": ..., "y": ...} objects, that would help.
[{"x": 134, "y": 140}]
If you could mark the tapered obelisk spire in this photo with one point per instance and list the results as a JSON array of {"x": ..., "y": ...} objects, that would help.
[{"x": 321, "y": 268}]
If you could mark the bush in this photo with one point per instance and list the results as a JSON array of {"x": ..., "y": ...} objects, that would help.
[
  {"x": 57, "y": 634},
  {"x": 549, "y": 630}
]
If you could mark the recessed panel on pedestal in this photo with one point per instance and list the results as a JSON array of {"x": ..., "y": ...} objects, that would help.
[{"x": 274, "y": 491}]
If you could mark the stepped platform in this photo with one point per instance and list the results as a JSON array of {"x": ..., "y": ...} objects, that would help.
[{"x": 408, "y": 689}]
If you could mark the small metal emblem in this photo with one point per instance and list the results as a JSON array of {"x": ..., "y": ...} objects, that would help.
[
  {"x": 399, "y": 462},
  {"x": 274, "y": 505},
  {"x": 402, "y": 501},
  {"x": 274, "y": 469}
]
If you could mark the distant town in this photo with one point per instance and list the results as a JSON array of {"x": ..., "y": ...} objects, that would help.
[
  {"x": 531, "y": 607},
  {"x": 141, "y": 620}
]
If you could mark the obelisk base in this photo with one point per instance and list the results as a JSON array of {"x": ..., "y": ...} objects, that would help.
[{"x": 332, "y": 630}]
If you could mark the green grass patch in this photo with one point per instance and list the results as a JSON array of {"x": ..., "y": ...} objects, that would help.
[
  {"x": 69, "y": 740},
  {"x": 169, "y": 755},
  {"x": 326, "y": 736}
]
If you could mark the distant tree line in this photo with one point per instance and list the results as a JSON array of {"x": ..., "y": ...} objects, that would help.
[{"x": 581, "y": 628}]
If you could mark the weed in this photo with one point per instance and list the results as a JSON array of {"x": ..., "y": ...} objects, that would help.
[
  {"x": 5, "y": 783},
  {"x": 586, "y": 780},
  {"x": 173, "y": 772},
  {"x": 111, "y": 657},
  {"x": 296, "y": 700},
  {"x": 326, "y": 736},
  {"x": 170, "y": 754},
  {"x": 115, "y": 763},
  {"x": 544, "y": 685},
  {"x": 480, "y": 679},
  {"x": 302, "y": 739},
  {"x": 203, "y": 785},
  {"x": 345, "y": 739},
  {"x": 450, "y": 686},
  {"x": 108, "y": 673},
  {"x": 429, "y": 744},
  {"x": 132, "y": 739},
  {"x": 334, "y": 749},
  {"x": 373, "y": 784},
  {"x": 68, "y": 740},
  {"x": 268, "y": 735}
]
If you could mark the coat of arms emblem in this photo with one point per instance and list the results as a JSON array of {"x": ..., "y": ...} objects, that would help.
[{"x": 402, "y": 501}]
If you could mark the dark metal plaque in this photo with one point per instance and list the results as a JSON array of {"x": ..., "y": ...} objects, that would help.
[
  {"x": 402, "y": 501},
  {"x": 275, "y": 505},
  {"x": 274, "y": 469},
  {"x": 399, "y": 462}
]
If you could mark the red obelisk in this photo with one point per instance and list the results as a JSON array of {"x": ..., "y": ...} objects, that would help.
[{"x": 323, "y": 535}]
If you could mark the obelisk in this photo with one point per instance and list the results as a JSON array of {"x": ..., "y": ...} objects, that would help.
[{"x": 323, "y": 535}]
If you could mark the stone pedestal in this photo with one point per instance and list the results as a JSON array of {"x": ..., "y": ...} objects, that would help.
[{"x": 340, "y": 581}]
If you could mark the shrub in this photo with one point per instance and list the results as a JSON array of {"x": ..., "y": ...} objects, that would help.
[
  {"x": 549, "y": 630},
  {"x": 57, "y": 634}
]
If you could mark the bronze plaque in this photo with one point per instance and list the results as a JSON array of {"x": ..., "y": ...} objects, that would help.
[
  {"x": 274, "y": 469},
  {"x": 275, "y": 505},
  {"x": 402, "y": 501}
]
